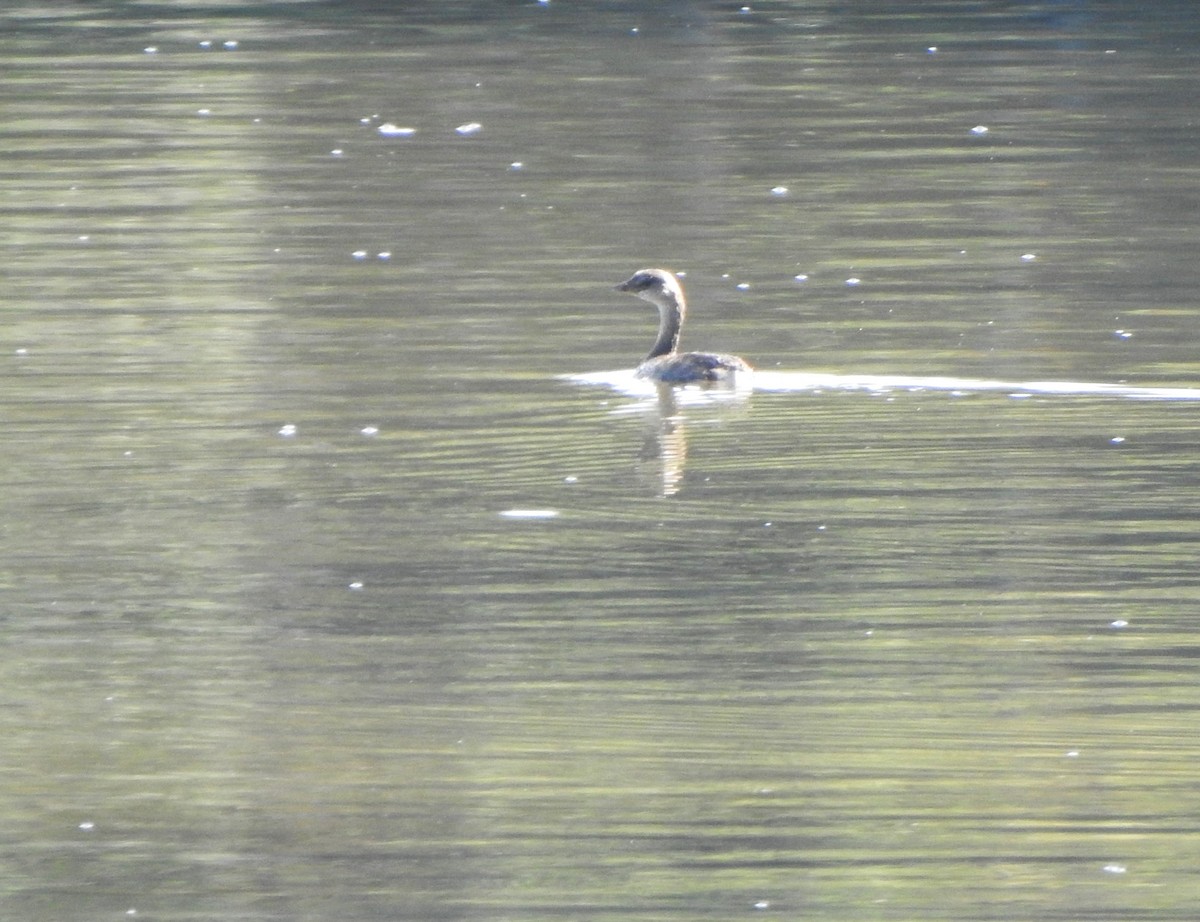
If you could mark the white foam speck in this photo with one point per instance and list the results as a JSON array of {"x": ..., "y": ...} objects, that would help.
[
  {"x": 469, "y": 128},
  {"x": 395, "y": 131}
]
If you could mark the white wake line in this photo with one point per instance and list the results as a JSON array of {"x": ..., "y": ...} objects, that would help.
[
  {"x": 788, "y": 381},
  {"x": 628, "y": 383}
]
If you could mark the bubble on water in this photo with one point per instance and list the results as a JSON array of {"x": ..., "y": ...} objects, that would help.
[
  {"x": 1028, "y": 257},
  {"x": 150, "y": 49},
  {"x": 779, "y": 191},
  {"x": 230, "y": 44},
  {"x": 288, "y": 430},
  {"x": 529, "y": 513},
  {"x": 359, "y": 254},
  {"x": 853, "y": 282},
  {"x": 979, "y": 130},
  {"x": 469, "y": 128}
]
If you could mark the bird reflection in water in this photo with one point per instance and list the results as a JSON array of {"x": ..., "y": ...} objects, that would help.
[
  {"x": 664, "y": 449},
  {"x": 662, "y": 460}
]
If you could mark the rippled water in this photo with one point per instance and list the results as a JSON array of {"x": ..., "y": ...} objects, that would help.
[{"x": 344, "y": 579}]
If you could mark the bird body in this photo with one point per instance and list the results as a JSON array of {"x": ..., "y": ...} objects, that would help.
[{"x": 665, "y": 362}]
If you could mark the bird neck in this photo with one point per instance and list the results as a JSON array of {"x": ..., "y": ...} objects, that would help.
[{"x": 670, "y": 323}]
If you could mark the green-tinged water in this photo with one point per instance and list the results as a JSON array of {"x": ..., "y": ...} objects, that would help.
[{"x": 328, "y": 593}]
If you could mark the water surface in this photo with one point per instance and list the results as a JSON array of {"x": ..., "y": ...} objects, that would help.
[{"x": 330, "y": 593}]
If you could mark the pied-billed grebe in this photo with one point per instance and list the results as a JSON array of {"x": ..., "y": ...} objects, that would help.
[{"x": 665, "y": 363}]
